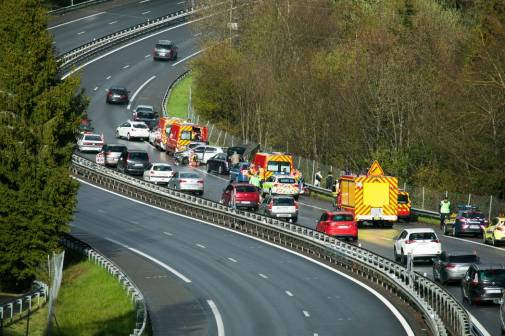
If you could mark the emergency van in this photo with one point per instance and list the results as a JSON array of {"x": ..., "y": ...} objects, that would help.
[
  {"x": 162, "y": 131},
  {"x": 372, "y": 198},
  {"x": 273, "y": 163},
  {"x": 176, "y": 134}
]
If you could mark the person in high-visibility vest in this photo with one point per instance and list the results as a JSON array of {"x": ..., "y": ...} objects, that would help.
[{"x": 445, "y": 210}]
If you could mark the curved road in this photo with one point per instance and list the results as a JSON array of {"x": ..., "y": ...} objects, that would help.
[{"x": 227, "y": 282}]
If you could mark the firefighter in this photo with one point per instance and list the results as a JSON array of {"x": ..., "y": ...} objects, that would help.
[
  {"x": 318, "y": 178},
  {"x": 445, "y": 211}
]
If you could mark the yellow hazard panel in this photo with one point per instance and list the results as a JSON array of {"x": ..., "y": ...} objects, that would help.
[{"x": 376, "y": 194}]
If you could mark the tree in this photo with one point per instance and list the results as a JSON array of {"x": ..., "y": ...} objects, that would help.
[{"x": 38, "y": 118}]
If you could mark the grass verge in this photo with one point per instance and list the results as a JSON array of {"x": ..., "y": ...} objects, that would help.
[
  {"x": 90, "y": 302},
  {"x": 177, "y": 104}
]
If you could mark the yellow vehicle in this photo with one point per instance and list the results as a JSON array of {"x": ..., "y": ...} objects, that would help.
[
  {"x": 495, "y": 233},
  {"x": 273, "y": 163},
  {"x": 372, "y": 197}
]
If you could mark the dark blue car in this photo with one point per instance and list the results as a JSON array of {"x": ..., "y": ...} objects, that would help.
[{"x": 238, "y": 172}]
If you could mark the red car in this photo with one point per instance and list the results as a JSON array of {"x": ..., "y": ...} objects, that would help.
[
  {"x": 339, "y": 224},
  {"x": 241, "y": 195}
]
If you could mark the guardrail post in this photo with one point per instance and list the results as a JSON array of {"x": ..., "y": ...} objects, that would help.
[
  {"x": 490, "y": 206},
  {"x": 422, "y": 203},
  {"x": 469, "y": 199}
]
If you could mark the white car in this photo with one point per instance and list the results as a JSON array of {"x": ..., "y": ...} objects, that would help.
[
  {"x": 132, "y": 130},
  {"x": 205, "y": 152},
  {"x": 159, "y": 173},
  {"x": 90, "y": 142},
  {"x": 421, "y": 243}
]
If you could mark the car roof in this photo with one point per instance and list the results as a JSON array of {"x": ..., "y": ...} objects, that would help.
[
  {"x": 236, "y": 184},
  {"x": 483, "y": 267},
  {"x": 415, "y": 230},
  {"x": 117, "y": 88},
  {"x": 161, "y": 164},
  {"x": 145, "y": 106},
  {"x": 164, "y": 42},
  {"x": 282, "y": 196},
  {"x": 135, "y": 121},
  {"x": 136, "y": 151},
  {"x": 92, "y": 134}
]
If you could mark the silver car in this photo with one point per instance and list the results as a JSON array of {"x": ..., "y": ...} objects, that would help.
[
  {"x": 110, "y": 154},
  {"x": 452, "y": 266},
  {"x": 280, "y": 207},
  {"x": 187, "y": 181}
]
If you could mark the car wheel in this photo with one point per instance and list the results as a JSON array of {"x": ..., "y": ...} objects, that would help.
[
  {"x": 200, "y": 193},
  {"x": 208, "y": 168},
  {"x": 454, "y": 231},
  {"x": 220, "y": 170},
  {"x": 117, "y": 134},
  {"x": 493, "y": 241},
  {"x": 396, "y": 256},
  {"x": 128, "y": 136}
]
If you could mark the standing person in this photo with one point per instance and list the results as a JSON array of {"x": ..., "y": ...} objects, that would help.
[
  {"x": 445, "y": 211},
  {"x": 235, "y": 158},
  {"x": 330, "y": 181},
  {"x": 318, "y": 178},
  {"x": 255, "y": 181}
]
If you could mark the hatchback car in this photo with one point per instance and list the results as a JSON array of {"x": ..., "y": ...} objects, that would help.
[
  {"x": 117, "y": 95},
  {"x": 218, "y": 163},
  {"x": 133, "y": 162},
  {"x": 158, "y": 173},
  {"x": 110, "y": 153},
  {"x": 340, "y": 224},
  {"x": 280, "y": 207},
  {"x": 146, "y": 114},
  {"x": 165, "y": 50},
  {"x": 469, "y": 221},
  {"x": 452, "y": 266},
  {"x": 421, "y": 243},
  {"x": 133, "y": 130},
  {"x": 187, "y": 181},
  {"x": 483, "y": 283},
  {"x": 239, "y": 172},
  {"x": 241, "y": 195},
  {"x": 89, "y": 142},
  {"x": 495, "y": 233}
]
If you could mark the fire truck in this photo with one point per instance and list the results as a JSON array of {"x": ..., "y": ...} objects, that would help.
[
  {"x": 273, "y": 163},
  {"x": 174, "y": 134},
  {"x": 373, "y": 198}
]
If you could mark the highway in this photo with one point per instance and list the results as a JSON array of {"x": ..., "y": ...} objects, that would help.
[{"x": 133, "y": 67}]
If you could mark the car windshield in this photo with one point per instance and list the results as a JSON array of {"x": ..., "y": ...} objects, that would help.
[
  {"x": 139, "y": 156},
  {"x": 189, "y": 175},
  {"x": 473, "y": 215},
  {"x": 284, "y": 201},
  {"x": 140, "y": 125},
  {"x": 342, "y": 218},
  {"x": 246, "y": 189},
  {"x": 116, "y": 149},
  {"x": 403, "y": 199},
  {"x": 466, "y": 259},
  {"x": 280, "y": 167},
  {"x": 286, "y": 180},
  {"x": 163, "y": 46},
  {"x": 185, "y": 135},
  {"x": 145, "y": 114},
  {"x": 92, "y": 138},
  {"x": 162, "y": 168},
  {"x": 422, "y": 236},
  {"x": 493, "y": 275},
  {"x": 118, "y": 91}
]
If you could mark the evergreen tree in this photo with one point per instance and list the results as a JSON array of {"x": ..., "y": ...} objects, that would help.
[{"x": 38, "y": 118}]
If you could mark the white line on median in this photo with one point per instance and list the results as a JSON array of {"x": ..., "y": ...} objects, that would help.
[
  {"x": 143, "y": 1},
  {"x": 148, "y": 55},
  {"x": 288, "y": 293},
  {"x": 263, "y": 276},
  {"x": 168, "y": 233},
  {"x": 108, "y": 77},
  {"x": 126, "y": 66},
  {"x": 188, "y": 57},
  {"x": 217, "y": 316},
  {"x": 96, "y": 88},
  {"x": 138, "y": 90},
  {"x": 232, "y": 260},
  {"x": 147, "y": 12},
  {"x": 80, "y": 33},
  {"x": 66, "y": 23},
  {"x": 156, "y": 261},
  {"x": 112, "y": 22},
  {"x": 306, "y": 313}
]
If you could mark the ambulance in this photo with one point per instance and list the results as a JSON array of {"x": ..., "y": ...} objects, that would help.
[
  {"x": 273, "y": 163},
  {"x": 372, "y": 198},
  {"x": 174, "y": 134}
]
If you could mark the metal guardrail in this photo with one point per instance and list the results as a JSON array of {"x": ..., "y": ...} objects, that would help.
[
  {"x": 127, "y": 284},
  {"x": 442, "y": 313},
  {"x": 14, "y": 309}
]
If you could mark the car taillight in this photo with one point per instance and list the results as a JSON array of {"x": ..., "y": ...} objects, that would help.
[
  {"x": 435, "y": 241},
  {"x": 270, "y": 206},
  {"x": 450, "y": 266},
  {"x": 87, "y": 143},
  {"x": 182, "y": 181},
  {"x": 409, "y": 241},
  {"x": 296, "y": 205},
  {"x": 200, "y": 181}
]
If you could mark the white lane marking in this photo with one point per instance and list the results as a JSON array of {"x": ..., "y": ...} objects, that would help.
[
  {"x": 138, "y": 90},
  {"x": 134, "y": 222},
  {"x": 288, "y": 293},
  {"x": 144, "y": 1},
  {"x": 316, "y": 334},
  {"x": 108, "y": 77},
  {"x": 69, "y": 22},
  {"x": 380, "y": 297},
  {"x": 474, "y": 242},
  {"x": 111, "y": 23},
  {"x": 80, "y": 33},
  {"x": 126, "y": 46},
  {"x": 306, "y": 313},
  {"x": 101, "y": 211},
  {"x": 156, "y": 261},
  {"x": 126, "y": 66},
  {"x": 181, "y": 3},
  {"x": 201, "y": 246},
  {"x": 312, "y": 206},
  {"x": 217, "y": 316},
  {"x": 168, "y": 233},
  {"x": 263, "y": 276},
  {"x": 147, "y": 12},
  {"x": 232, "y": 260},
  {"x": 197, "y": 34},
  {"x": 148, "y": 55},
  {"x": 188, "y": 57},
  {"x": 96, "y": 88}
]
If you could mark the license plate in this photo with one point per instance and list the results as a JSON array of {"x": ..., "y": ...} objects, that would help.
[
  {"x": 493, "y": 291},
  {"x": 343, "y": 226},
  {"x": 139, "y": 165},
  {"x": 283, "y": 215},
  {"x": 376, "y": 213},
  {"x": 245, "y": 202},
  {"x": 474, "y": 226}
]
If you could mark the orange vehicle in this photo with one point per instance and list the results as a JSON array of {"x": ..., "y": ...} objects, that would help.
[
  {"x": 273, "y": 163},
  {"x": 404, "y": 205},
  {"x": 372, "y": 198},
  {"x": 159, "y": 136},
  {"x": 174, "y": 134}
]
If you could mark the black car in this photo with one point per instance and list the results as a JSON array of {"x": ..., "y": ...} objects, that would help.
[
  {"x": 218, "y": 163},
  {"x": 146, "y": 114},
  {"x": 165, "y": 50},
  {"x": 133, "y": 162},
  {"x": 452, "y": 266},
  {"x": 117, "y": 95},
  {"x": 483, "y": 283}
]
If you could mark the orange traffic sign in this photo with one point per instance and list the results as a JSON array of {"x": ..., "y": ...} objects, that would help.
[{"x": 376, "y": 169}]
